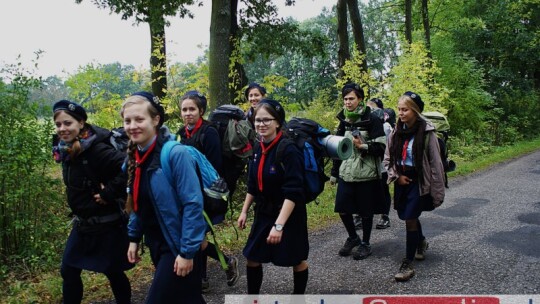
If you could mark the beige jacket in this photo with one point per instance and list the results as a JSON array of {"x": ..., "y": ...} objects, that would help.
[{"x": 433, "y": 170}]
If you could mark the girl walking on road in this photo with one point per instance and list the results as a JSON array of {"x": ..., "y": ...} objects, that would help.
[
  {"x": 359, "y": 177},
  {"x": 95, "y": 187},
  {"x": 279, "y": 230},
  {"x": 167, "y": 212},
  {"x": 414, "y": 165}
]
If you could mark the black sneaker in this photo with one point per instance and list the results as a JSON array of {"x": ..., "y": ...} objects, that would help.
[
  {"x": 357, "y": 222},
  {"x": 232, "y": 271},
  {"x": 421, "y": 250},
  {"x": 361, "y": 252},
  {"x": 348, "y": 246},
  {"x": 383, "y": 223},
  {"x": 406, "y": 271}
]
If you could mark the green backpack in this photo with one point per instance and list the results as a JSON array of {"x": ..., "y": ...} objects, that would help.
[{"x": 442, "y": 128}]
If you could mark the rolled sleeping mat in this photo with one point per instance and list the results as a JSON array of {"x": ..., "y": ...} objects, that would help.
[{"x": 337, "y": 147}]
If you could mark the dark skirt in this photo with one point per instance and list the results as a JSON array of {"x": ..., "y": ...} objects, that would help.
[
  {"x": 294, "y": 245},
  {"x": 364, "y": 198},
  {"x": 104, "y": 251},
  {"x": 407, "y": 200}
]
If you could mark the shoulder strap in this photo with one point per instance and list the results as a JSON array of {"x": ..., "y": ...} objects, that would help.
[{"x": 280, "y": 149}]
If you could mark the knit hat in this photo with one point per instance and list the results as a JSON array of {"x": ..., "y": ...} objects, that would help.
[
  {"x": 417, "y": 100},
  {"x": 194, "y": 93},
  {"x": 351, "y": 86},
  {"x": 72, "y": 108},
  {"x": 254, "y": 85},
  {"x": 154, "y": 101},
  {"x": 277, "y": 107}
]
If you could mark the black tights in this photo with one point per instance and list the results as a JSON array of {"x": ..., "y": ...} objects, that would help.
[
  {"x": 367, "y": 226},
  {"x": 414, "y": 237},
  {"x": 72, "y": 286}
]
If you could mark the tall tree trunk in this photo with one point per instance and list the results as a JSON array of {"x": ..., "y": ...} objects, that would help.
[
  {"x": 408, "y": 21},
  {"x": 343, "y": 37},
  {"x": 358, "y": 31},
  {"x": 239, "y": 79},
  {"x": 158, "y": 59},
  {"x": 220, "y": 52},
  {"x": 427, "y": 30}
]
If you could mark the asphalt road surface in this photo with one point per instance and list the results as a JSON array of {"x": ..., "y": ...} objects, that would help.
[{"x": 484, "y": 239}]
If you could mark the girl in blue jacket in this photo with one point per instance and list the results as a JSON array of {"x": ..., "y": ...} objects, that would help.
[{"x": 169, "y": 216}]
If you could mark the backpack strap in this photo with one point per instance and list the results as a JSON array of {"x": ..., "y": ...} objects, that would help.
[
  {"x": 166, "y": 167},
  {"x": 280, "y": 149}
]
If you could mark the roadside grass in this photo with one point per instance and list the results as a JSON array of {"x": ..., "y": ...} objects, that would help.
[{"x": 46, "y": 287}]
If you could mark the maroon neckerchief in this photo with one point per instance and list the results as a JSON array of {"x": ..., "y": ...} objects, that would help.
[
  {"x": 197, "y": 127},
  {"x": 137, "y": 180},
  {"x": 263, "y": 157},
  {"x": 404, "y": 153}
]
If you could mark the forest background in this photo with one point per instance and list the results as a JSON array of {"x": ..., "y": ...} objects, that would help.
[{"x": 475, "y": 61}]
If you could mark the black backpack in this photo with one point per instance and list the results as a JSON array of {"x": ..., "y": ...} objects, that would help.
[
  {"x": 119, "y": 139},
  {"x": 306, "y": 135}
]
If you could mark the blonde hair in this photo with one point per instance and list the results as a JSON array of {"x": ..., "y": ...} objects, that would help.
[{"x": 132, "y": 147}]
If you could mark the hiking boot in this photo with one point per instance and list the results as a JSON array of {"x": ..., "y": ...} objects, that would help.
[
  {"x": 232, "y": 271},
  {"x": 383, "y": 223},
  {"x": 348, "y": 246},
  {"x": 406, "y": 271},
  {"x": 357, "y": 222},
  {"x": 361, "y": 252},
  {"x": 205, "y": 285},
  {"x": 421, "y": 250}
]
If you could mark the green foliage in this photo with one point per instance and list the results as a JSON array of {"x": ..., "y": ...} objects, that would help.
[
  {"x": 31, "y": 215},
  {"x": 353, "y": 72}
]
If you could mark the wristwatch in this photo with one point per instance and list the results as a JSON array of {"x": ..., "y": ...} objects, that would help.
[{"x": 278, "y": 227}]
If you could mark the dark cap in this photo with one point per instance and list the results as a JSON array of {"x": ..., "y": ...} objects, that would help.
[
  {"x": 378, "y": 102},
  {"x": 72, "y": 108},
  {"x": 277, "y": 107},
  {"x": 254, "y": 85},
  {"x": 201, "y": 103},
  {"x": 350, "y": 87},
  {"x": 154, "y": 101},
  {"x": 417, "y": 100}
]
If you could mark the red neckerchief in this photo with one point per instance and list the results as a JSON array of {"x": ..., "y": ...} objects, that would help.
[
  {"x": 263, "y": 157},
  {"x": 404, "y": 154},
  {"x": 197, "y": 127},
  {"x": 137, "y": 180}
]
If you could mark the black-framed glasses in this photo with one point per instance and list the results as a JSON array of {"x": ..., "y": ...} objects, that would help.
[{"x": 263, "y": 121}]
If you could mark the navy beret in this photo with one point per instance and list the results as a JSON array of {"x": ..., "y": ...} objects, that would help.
[
  {"x": 72, "y": 108},
  {"x": 194, "y": 93},
  {"x": 154, "y": 101},
  {"x": 351, "y": 86},
  {"x": 255, "y": 85},
  {"x": 277, "y": 107},
  {"x": 416, "y": 98}
]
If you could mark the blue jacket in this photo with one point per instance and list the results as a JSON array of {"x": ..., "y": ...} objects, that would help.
[{"x": 178, "y": 209}]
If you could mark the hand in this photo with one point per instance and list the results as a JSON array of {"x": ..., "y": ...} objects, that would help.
[
  {"x": 99, "y": 200},
  {"x": 133, "y": 253},
  {"x": 182, "y": 267},
  {"x": 242, "y": 220},
  {"x": 274, "y": 237},
  {"x": 404, "y": 180},
  {"x": 333, "y": 180}
]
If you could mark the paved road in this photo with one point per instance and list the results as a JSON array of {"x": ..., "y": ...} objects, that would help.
[{"x": 484, "y": 239}]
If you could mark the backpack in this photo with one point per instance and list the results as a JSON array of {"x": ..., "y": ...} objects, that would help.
[
  {"x": 307, "y": 135},
  {"x": 119, "y": 139},
  {"x": 214, "y": 188},
  {"x": 442, "y": 129},
  {"x": 235, "y": 132}
]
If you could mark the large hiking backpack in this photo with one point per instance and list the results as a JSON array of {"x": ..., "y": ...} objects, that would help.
[
  {"x": 442, "y": 128},
  {"x": 235, "y": 132},
  {"x": 307, "y": 135},
  {"x": 119, "y": 139}
]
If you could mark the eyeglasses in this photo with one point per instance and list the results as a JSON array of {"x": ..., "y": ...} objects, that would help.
[{"x": 263, "y": 121}]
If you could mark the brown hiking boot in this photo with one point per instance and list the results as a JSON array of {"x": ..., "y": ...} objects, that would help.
[
  {"x": 406, "y": 271},
  {"x": 421, "y": 250}
]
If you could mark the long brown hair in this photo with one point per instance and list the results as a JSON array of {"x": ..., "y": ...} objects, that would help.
[{"x": 132, "y": 147}]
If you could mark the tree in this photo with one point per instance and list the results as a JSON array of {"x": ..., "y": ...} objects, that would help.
[
  {"x": 427, "y": 29},
  {"x": 220, "y": 51},
  {"x": 343, "y": 35},
  {"x": 153, "y": 13},
  {"x": 408, "y": 21},
  {"x": 358, "y": 30}
]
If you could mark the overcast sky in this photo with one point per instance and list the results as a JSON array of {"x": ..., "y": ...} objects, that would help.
[{"x": 73, "y": 35}]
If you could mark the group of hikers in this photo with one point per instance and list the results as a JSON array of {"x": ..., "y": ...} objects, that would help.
[{"x": 164, "y": 212}]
